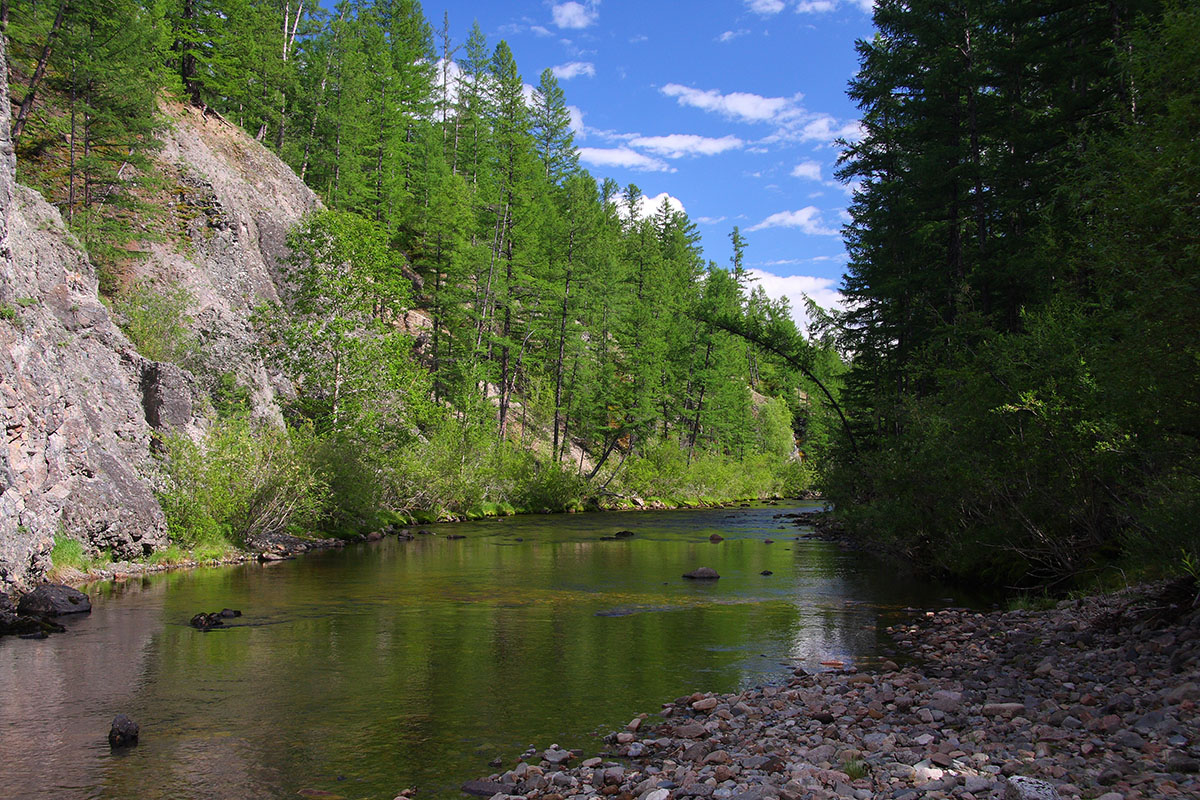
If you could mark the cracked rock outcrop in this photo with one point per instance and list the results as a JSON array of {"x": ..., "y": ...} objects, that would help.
[{"x": 75, "y": 455}]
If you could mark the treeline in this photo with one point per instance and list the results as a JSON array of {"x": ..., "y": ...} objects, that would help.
[
  {"x": 1024, "y": 288},
  {"x": 568, "y": 351}
]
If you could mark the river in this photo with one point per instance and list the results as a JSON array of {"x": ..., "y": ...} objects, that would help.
[{"x": 396, "y": 664}]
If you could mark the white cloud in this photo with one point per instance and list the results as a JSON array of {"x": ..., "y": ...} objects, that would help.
[
  {"x": 622, "y": 157},
  {"x": 793, "y": 121},
  {"x": 810, "y": 170},
  {"x": 648, "y": 206},
  {"x": 577, "y": 126},
  {"x": 825, "y": 128},
  {"x": 823, "y": 291},
  {"x": 729, "y": 36},
  {"x": 677, "y": 145},
  {"x": 825, "y": 6},
  {"x": 736, "y": 105},
  {"x": 564, "y": 72},
  {"x": 710, "y": 220},
  {"x": 574, "y": 15},
  {"x": 807, "y": 219},
  {"x": 765, "y": 7},
  {"x": 541, "y": 31}
]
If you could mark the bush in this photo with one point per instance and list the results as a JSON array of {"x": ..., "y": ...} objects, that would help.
[
  {"x": 244, "y": 481},
  {"x": 157, "y": 322}
]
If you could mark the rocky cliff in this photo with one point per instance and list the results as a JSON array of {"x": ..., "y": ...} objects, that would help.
[
  {"x": 78, "y": 403},
  {"x": 76, "y": 455},
  {"x": 229, "y": 205}
]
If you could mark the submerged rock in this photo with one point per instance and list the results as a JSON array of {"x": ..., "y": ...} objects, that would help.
[
  {"x": 207, "y": 622},
  {"x": 702, "y": 574}
]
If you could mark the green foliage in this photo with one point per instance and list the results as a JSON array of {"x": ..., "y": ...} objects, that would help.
[
  {"x": 157, "y": 321},
  {"x": 338, "y": 337},
  {"x": 69, "y": 553},
  {"x": 242, "y": 482},
  {"x": 1025, "y": 377}
]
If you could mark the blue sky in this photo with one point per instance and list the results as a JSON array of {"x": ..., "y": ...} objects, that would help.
[{"x": 729, "y": 106}]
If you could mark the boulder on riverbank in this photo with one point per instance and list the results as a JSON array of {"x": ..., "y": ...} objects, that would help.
[{"x": 54, "y": 600}]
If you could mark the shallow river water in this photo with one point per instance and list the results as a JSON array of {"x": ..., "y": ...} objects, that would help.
[{"x": 412, "y": 664}]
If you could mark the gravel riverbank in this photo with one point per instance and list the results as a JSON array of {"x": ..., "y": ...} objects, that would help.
[{"x": 1096, "y": 698}]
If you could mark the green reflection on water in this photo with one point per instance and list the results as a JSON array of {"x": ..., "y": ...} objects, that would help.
[{"x": 400, "y": 664}]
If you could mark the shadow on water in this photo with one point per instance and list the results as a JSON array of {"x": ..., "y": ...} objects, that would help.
[{"x": 396, "y": 664}]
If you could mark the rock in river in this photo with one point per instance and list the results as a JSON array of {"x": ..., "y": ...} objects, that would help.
[
  {"x": 124, "y": 732},
  {"x": 702, "y": 574},
  {"x": 53, "y": 600}
]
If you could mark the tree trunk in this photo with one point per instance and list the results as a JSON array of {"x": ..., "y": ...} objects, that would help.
[{"x": 39, "y": 72}]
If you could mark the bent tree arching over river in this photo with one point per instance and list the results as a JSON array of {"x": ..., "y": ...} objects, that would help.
[{"x": 413, "y": 664}]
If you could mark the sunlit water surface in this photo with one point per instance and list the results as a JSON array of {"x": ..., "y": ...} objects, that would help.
[{"x": 412, "y": 664}]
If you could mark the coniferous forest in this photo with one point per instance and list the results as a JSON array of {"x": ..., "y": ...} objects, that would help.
[{"x": 1010, "y": 394}]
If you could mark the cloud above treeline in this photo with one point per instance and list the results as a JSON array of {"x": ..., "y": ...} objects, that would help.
[
  {"x": 769, "y": 8},
  {"x": 807, "y": 220},
  {"x": 795, "y": 288},
  {"x": 573, "y": 69},
  {"x": 575, "y": 16},
  {"x": 792, "y": 120},
  {"x": 622, "y": 157},
  {"x": 678, "y": 145}
]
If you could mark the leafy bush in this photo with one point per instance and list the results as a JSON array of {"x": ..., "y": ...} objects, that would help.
[
  {"x": 157, "y": 322},
  {"x": 242, "y": 482}
]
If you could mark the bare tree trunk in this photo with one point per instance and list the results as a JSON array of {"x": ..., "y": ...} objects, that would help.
[
  {"x": 39, "y": 72},
  {"x": 288, "y": 41},
  {"x": 562, "y": 342},
  {"x": 71, "y": 158}
]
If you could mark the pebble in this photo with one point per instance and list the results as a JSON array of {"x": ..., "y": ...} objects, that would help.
[{"x": 1095, "y": 699}]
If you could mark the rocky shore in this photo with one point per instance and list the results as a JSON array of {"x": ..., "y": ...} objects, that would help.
[{"x": 1094, "y": 699}]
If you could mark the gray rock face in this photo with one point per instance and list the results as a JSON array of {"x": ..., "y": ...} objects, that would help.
[
  {"x": 8, "y": 163},
  {"x": 234, "y": 204},
  {"x": 75, "y": 454},
  {"x": 79, "y": 406}
]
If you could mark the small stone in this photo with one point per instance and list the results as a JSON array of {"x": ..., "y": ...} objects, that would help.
[
  {"x": 702, "y": 574},
  {"x": 716, "y": 537},
  {"x": 717, "y": 757},
  {"x": 1003, "y": 709},
  {"x": 658, "y": 794},
  {"x": 1180, "y": 762},
  {"x": 1022, "y": 788},
  {"x": 485, "y": 788},
  {"x": 556, "y": 756},
  {"x": 707, "y": 704},
  {"x": 123, "y": 733}
]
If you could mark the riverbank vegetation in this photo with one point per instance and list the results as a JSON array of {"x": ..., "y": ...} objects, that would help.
[
  {"x": 473, "y": 325},
  {"x": 1024, "y": 286}
]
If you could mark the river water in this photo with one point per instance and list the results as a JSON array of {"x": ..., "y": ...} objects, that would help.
[{"x": 412, "y": 664}]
